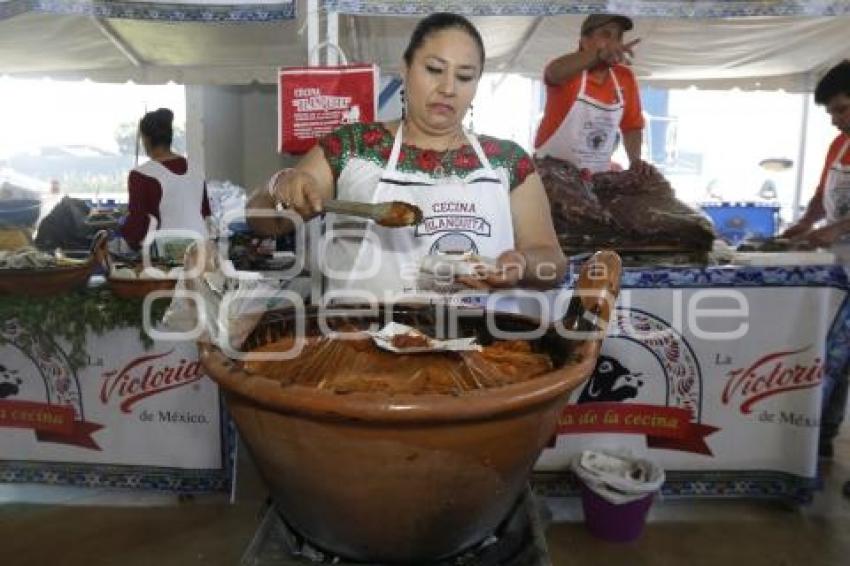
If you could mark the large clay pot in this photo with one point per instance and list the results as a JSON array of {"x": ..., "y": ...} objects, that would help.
[{"x": 405, "y": 478}]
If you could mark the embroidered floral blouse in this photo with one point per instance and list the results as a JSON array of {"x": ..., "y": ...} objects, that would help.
[
  {"x": 358, "y": 155},
  {"x": 371, "y": 144}
]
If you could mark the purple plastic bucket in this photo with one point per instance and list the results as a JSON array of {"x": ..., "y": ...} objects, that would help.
[{"x": 616, "y": 523}]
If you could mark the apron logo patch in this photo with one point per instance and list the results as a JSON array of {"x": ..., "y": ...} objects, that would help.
[
  {"x": 436, "y": 224},
  {"x": 596, "y": 139},
  {"x": 454, "y": 243}
]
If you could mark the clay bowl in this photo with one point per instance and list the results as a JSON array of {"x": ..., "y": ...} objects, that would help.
[
  {"x": 43, "y": 282},
  {"x": 403, "y": 479},
  {"x": 138, "y": 288}
]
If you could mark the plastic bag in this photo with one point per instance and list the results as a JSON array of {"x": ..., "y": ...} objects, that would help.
[
  {"x": 182, "y": 314},
  {"x": 226, "y": 199},
  {"x": 231, "y": 306},
  {"x": 617, "y": 476}
]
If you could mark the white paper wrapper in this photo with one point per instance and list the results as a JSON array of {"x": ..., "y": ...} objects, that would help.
[{"x": 384, "y": 339}]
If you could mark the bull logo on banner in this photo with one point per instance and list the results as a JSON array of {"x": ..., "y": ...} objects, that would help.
[
  {"x": 610, "y": 381},
  {"x": 648, "y": 381},
  {"x": 10, "y": 383}
]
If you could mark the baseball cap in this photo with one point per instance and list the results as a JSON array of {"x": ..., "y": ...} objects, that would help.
[{"x": 594, "y": 21}]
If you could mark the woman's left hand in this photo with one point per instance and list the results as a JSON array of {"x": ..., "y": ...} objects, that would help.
[
  {"x": 508, "y": 272},
  {"x": 819, "y": 237}
]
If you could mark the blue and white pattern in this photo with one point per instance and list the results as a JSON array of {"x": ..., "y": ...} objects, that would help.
[
  {"x": 638, "y": 8},
  {"x": 729, "y": 276},
  {"x": 132, "y": 477},
  {"x": 838, "y": 349},
  {"x": 175, "y": 11},
  {"x": 751, "y": 484}
]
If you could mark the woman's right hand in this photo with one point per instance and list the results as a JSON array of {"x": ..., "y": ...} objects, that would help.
[
  {"x": 302, "y": 189},
  {"x": 297, "y": 190}
]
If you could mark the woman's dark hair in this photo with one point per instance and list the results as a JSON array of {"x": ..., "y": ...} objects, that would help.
[
  {"x": 437, "y": 22},
  {"x": 835, "y": 82},
  {"x": 156, "y": 126}
]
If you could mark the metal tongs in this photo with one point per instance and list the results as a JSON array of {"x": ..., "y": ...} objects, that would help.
[{"x": 393, "y": 214}]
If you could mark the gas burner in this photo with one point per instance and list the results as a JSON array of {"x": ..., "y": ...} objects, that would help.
[{"x": 519, "y": 541}]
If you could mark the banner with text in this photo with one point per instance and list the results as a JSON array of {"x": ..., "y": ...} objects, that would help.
[
  {"x": 707, "y": 379},
  {"x": 150, "y": 410}
]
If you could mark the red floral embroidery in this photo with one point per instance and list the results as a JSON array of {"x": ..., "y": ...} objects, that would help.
[
  {"x": 374, "y": 142},
  {"x": 428, "y": 160},
  {"x": 524, "y": 168},
  {"x": 491, "y": 148},
  {"x": 465, "y": 159},
  {"x": 372, "y": 137},
  {"x": 333, "y": 145}
]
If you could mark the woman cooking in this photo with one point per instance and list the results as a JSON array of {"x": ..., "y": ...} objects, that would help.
[
  {"x": 166, "y": 188},
  {"x": 478, "y": 196}
]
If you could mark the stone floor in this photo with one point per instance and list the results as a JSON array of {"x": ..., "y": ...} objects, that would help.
[{"x": 79, "y": 527}]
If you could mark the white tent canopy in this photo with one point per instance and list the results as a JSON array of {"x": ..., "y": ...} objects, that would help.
[
  {"x": 710, "y": 44},
  {"x": 757, "y": 52}
]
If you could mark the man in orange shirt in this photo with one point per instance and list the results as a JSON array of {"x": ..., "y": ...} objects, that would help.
[
  {"x": 591, "y": 96},
  {"x": 832, "y": 202},
  {"x": 832, "y": 197}
]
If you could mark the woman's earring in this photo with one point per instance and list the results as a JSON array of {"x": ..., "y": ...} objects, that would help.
[
  {"x": 403, "y": 103},
  {"x": 471, "y": 118}
]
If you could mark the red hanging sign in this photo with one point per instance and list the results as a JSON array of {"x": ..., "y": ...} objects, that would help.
[{"x": 313, "y": 101}]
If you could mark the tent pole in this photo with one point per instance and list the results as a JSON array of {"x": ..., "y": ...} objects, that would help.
[
  {"x": 312, "y": 32},
  {"x": 801, "y": 156},
  {"x": 109, "y": 32},
  {"x": 332, "y": 36},
  {"x": 314, "y": 228},
  {"x": 354, "y": 41}
]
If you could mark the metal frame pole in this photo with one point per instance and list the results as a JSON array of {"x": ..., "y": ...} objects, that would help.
[
  {"x": 315, "y": 227},
  {"x": 313, "y": 32},
  {"x": 801, "y": 155},
  {"x": 332, "y": 37}
]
